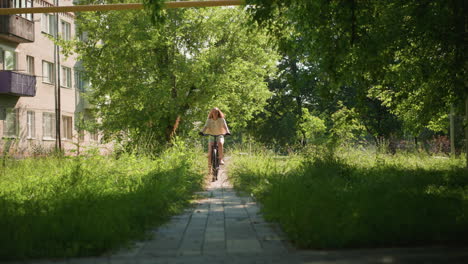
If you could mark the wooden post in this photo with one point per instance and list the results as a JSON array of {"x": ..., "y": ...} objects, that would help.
[
  {"x": 58, "y": 111},
  {"x": 452, "y": 130},
  {"x": 466, "y": 129},
  {"x": 464, "y": 10}
]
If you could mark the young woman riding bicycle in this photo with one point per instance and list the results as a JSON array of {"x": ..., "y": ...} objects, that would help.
[{"x": 216, "y": 125}]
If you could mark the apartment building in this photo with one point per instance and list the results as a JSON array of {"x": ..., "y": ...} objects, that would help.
[{"x": 28, "y": 78}]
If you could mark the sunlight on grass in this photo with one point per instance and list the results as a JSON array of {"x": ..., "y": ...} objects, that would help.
[
  {"x": 360, "y": 199},
  {"x": 82, "y": 206}
]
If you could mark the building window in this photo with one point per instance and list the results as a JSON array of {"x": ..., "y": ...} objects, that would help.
[
  {"x": 10, "y": 60},
  {"x": 30, "y": 65},
  {"x": 48, "y": 125},
  {"x": 81, "y": 83},
  {"x": 65, "y": 30},
  {"x": 81, "y": 36},
  {"x": 24, "y": 4},
  {"x": 29, "y": 3},
  {"x": 10, "y": 125},
  {"x": 48, "y": 73},
  {"x": 67, "y": 131},
  {"x": 66, "y": 77},
  {"x": 31, "y": 124},
  {"x": 48, "y": 24},
  {"x": 7, "y": 60},
  {"x": 94, "y": 135}
]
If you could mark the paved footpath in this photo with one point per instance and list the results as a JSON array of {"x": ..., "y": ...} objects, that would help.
[{"x": 225, "y": 228}]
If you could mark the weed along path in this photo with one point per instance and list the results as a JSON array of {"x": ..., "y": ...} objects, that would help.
[{"x": 223, "y": 227}]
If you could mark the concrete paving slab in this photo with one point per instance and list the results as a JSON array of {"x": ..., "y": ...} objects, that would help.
[
  {"x": 276, "y": 246},
  {"x": 161, "y": 245},
  {"x": 211, "y": 230},
  {"x": 158, "y": 253},
  {"x": 214, "y": 247},
  {"x": 200, "y": 216},
  {"x": 51, "y": 261},
  {"x": 243, "y": 246},
  {"x": 194, "y": 232},
  {"x": 235, "y": 215},
  {"x": 217, "y": 209},
  {"x": 183, "y": 216},
  {"x": 214, "y": 238},
  {"x": 189, "y": 252},
  {"x": 216, "y": 224},
  {"x": 171, "y": 228},
  {"x": 216, "y": 216}
]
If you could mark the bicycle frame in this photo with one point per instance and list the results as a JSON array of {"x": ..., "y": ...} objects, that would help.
[
  {"x": 214, "y": 159},
  {"x": 214, "y": 166}
]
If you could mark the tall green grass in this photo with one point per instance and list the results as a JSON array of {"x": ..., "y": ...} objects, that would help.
[
  {"x": 85, "y": 206},
  {"x": 360, "y": 200}
]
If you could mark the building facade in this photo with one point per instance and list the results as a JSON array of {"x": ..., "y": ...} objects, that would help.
[{"x": 29, "y": 72}]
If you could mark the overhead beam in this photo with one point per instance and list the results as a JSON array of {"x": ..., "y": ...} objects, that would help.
[{"x": 84, "y": 8}]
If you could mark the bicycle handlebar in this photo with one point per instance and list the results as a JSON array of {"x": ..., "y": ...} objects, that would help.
[{"x": 205, "y": 135}]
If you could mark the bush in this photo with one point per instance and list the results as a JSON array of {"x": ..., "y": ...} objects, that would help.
[
  {"x": 85, "y": 206},
  {"x": 360, "y": 201}
]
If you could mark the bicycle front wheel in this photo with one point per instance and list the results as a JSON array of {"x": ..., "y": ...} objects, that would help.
[{"x": 214, "y": 164}]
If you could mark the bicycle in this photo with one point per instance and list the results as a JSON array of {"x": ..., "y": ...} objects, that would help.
[{"x": 214, "y": 168}]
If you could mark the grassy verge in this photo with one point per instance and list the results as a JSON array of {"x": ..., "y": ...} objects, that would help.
[
  {"x": 360, "y": 200},
  {"x": 63, "y": 207}
]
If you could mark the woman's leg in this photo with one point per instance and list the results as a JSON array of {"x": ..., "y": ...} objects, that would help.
[{"x": 220, "y": 148}]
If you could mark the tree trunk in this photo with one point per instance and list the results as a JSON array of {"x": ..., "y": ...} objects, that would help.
[
  {"x": 172, "y": 129},
  {"x": 175, "y": 126}
]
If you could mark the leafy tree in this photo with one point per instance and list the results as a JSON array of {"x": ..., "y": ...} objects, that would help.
[
  {"x": 283, "y": 115},
  {"x": 151, "y": 80},
  {"x": 409, "y": 55},
  {"x": 346, "y": 127},
  {"x": 299, "y": 85},
  {"x": 314, "y": 128}
]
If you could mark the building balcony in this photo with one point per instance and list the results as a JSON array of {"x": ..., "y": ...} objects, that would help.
[
  {"x": 83, "y": 102},
  {"x": 16, "y": 29},
  {"x": 87, "y": 104},
  {"x": 17, "y": 84}
]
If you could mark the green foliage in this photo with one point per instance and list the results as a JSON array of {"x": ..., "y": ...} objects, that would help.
[
  {"x": 439, "y": 124},
  {"x": 293, "y": 90},
  {"x": 346, "y": 126},
  {"x": 89, "y": 205},
  {"x": 312, "y": 126},
  {"x": 359, "y": 201},
  {"x": 156, "y": 10},
  {"x": 151, "y": 80},
  {"x": 406, "y": 55}
]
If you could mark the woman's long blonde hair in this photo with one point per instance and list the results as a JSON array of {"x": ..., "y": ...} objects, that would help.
[{"x": 215, "y": 113}]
